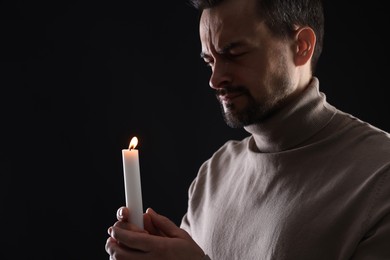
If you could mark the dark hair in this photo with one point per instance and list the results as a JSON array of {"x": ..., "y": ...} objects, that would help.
[{"x": 282, "y": 15}]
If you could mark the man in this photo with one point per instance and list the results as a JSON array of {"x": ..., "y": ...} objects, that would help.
[{"x": 310, "y": 182}]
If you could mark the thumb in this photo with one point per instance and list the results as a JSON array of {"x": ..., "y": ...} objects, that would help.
[{"x": 164, "y": 225}]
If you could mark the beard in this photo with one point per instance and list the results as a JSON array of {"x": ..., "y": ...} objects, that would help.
[
  {"x": 255, "y": 111},
  {"x": 252, "y": 113}
]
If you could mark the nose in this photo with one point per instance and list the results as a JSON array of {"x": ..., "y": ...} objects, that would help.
[{"x": 220, "y": 76}]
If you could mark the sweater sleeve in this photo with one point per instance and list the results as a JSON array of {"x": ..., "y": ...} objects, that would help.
[{"x": 375, "y": 242}]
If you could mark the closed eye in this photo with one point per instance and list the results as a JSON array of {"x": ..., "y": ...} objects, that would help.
[
  {"x": 207, "y": 59},
  {"x": 234, "y": 50},
  {"x": 208, "y": 63},
  {"x": 228, "y": 54},
  {"x": 232, "y": 56}
]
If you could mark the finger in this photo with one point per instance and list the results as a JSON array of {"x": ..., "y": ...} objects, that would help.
[
  {"x": 122, "y": 214},
  {"x": 110, "y": 246},
  {"x": 128, "y": 226},
  {"x": 164, "y": 225},
  {"x": 118, "y": 251},
  {"x": 135, "y": 240},
  {"x": 149, "y": 227}
]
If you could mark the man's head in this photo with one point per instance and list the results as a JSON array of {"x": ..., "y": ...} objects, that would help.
[
  {"x": 281, "y": 16},
  {"x": 262, "y": 53}
]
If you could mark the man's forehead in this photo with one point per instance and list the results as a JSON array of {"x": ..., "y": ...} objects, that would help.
[
  {"x": 210, "y": 28},
  {"x": 226, "y": 22},
  {"x": 229, "y": 14}
]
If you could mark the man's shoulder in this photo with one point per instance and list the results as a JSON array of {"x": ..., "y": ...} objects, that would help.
[
  {"x": 357, "y": 126},
  {"x": 360, "y": 138}
]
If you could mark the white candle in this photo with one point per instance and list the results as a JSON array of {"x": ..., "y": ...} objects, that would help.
[{"x": 132, "y": 180}]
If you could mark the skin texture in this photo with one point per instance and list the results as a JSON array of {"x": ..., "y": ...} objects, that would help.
[{"x": 254, "y": 74}]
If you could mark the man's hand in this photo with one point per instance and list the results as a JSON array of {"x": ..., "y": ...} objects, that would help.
[{"x": 161, "y": 239}]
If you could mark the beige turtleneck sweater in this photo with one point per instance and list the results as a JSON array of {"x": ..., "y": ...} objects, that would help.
[{"x": 310, "y": 183}]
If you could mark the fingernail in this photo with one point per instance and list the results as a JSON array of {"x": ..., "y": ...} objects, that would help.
[
  {"x": 109, "y": 230},
  {"x": 150, "y": 210},
  {"x": 119, "y": 213}
]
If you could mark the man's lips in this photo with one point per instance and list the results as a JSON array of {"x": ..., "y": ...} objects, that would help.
[
  {"x": 227, "y": 97},
  {"x": 228, "y": 94}
]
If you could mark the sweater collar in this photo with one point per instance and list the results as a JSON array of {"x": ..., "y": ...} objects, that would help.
[{"x": 295, "y": 123}]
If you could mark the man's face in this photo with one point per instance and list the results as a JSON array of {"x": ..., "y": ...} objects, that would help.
[{"x": 252, "y": 71}]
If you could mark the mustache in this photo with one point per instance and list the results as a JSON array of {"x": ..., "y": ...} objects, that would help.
[{"x": 231, "y": 90}]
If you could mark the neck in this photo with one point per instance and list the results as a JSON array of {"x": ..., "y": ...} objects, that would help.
[{"x": 296, "y": 122}]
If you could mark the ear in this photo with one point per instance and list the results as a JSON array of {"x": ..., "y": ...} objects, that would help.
[{"x": 305, "y": 40}]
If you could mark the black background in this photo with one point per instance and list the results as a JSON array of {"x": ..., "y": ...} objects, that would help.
[{"x": 79, "y": 79}]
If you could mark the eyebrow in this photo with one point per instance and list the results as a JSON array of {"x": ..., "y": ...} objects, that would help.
[{"x": 225, "y": 49}]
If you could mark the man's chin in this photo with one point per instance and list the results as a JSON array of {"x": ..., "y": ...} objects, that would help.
[
  {"x": 235, "y": 114},
  {"x": 233, "y": 120}
]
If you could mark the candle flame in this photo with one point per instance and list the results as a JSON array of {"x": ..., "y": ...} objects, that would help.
[{"x": 133, "y": 143}]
